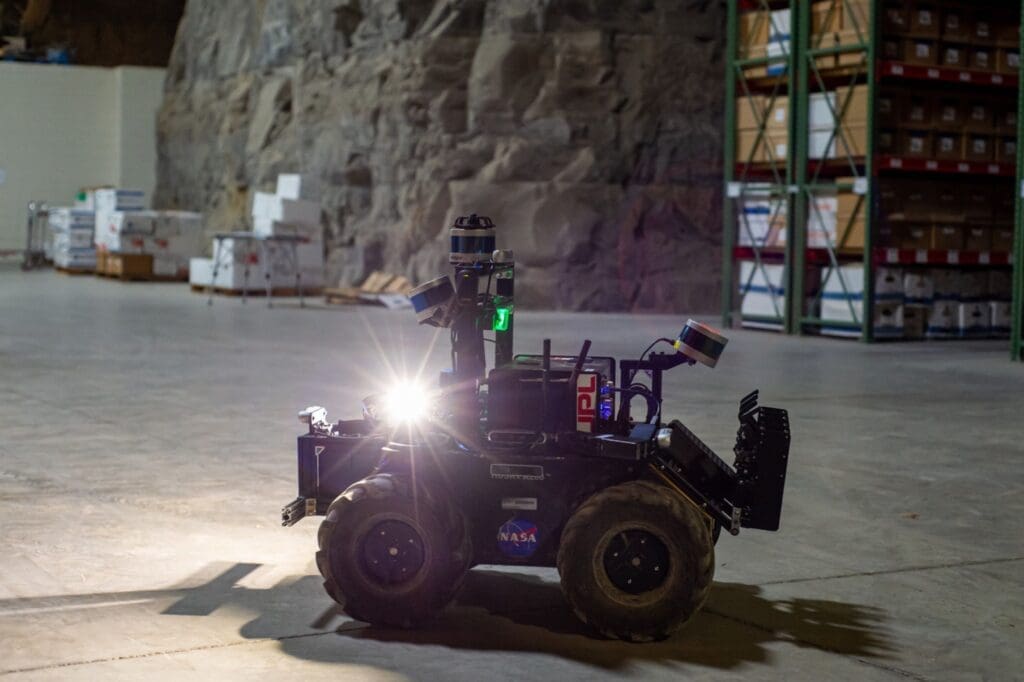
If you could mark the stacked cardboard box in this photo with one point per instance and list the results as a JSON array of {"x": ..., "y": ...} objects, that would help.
[
  {"x": 839, "y": 23},
  {"x": 762, "y": 129},
  {"x": 762, "y": 294},
  {"x": 761, "y": 217},
  {"x": 837, "y": 123},
  {"x": 835, "y": 218},
  {"x": 287, "y": 211},
  {"x": 842, "y": 300},
  {"x": 162, "y": 241},
  {"x": 72, "y": 238},
  {"x": 765, "y": 34},
  {"x": 945, "y": 215}
]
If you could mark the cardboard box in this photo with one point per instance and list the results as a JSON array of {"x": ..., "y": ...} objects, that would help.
[
  {"x": 1006, "y": 116},
  {"x": 915, "y": 321},
  {"x": 851, "y": 209},
  {"x": 982, "y": 31},
  {"x": 826, "y": 22},
  {"x": 981, "y": 59},
  {"x": 777, "y": 113},
  {"x": 1002, "y": 239},
  {"x": 1008, "y": 60},
  {"x": 65, "y": 218},
  {"x": 1000, "y": 284},
  {"x": 942, "y": 320},
  {"x": 921, "y": 52},
  {"x": 856, "y": 15},
  {"x": 888, "y": 284},
  {"x": 916, "y": 112},
  {"x": 905, "y": 200},
  {"x": 951, "y": 54},
  {"x": 753, "y": 34},
  {"x": 973, "y": 285},
  {"x": 918, "y": 287},
  {"x": 1000, "y": 318},
  {"x": 852, "y": 104},
  {"x": 1006, "y": 149},
  {"x": 977, "y": 203},
  {"x": 945, "y": 284},
  {"x": 889, "y": 235},
  {"x": 947, "y": 237},
  {"x": 888, "y": 141},
  {"x": 892, "y": 49},
  {"x": 977, "y": 239},
  {"x": 749, "y": 116},
  {"x": 973, "y": 320},
  {"x": 821, "y": 221},
  {"x": 916, "y": 236},
  {"x": 895, "y": 18},
  {"x": 129, "y": 265},
  {"x": 956, "y": 24},
  {"x": 947, "y": 113},
  {"x": 949, "y": 206},
  {"x": 1003, "y": 204},
  {"x": 924, "y": 21},
  {"x": 979, "y": 116},
  {"x": 754, "y": 148},
  {"x": 978, "y": 148},
  {"x": 916, "y": 144},
  {"x": 1007, "y": 29},
  {"x": 949, "y": 146},
  {"x": 888, "y": 108}
]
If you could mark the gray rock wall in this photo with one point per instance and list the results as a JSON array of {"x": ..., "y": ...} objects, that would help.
[{"x": 589, "y": 130}]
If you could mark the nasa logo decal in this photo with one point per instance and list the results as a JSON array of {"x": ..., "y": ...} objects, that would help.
[{"x": 518, "y": 538}]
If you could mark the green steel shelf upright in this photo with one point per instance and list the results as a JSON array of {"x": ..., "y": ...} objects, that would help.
[
  {"x": 1017, "y": 327},
  {"x": 819, "y": 180},
  {"x": 755, "y": 179}
]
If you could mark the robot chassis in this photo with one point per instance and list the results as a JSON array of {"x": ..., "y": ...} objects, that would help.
[{"x": 538, "y": 462}]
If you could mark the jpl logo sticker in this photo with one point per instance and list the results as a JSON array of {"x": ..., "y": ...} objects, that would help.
[{"x": 518, "y": 537}]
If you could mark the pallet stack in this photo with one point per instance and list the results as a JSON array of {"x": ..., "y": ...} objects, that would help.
[
  {"x": 290, "y": 210},
  {"x": 71, "y": 239},
  {"x": 136, "y": 244}
]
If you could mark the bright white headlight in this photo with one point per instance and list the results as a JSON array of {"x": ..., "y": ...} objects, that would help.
[{"x": 406, "y": 403}]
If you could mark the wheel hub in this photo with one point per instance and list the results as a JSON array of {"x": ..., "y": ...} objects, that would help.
[
  {"x": 636, "y": 561},
  {"x": 392, "y": 552}
]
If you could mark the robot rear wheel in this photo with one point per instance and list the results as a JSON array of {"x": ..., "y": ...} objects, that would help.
[
  {"x": 636, "y": 561},
  {"x": 388, "y": 558}
]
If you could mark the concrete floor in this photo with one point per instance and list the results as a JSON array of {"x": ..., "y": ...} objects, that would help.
[{"x": 146, "y": 446}]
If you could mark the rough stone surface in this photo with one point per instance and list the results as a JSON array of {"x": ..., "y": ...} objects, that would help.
[{"x": 589, "y": 130}]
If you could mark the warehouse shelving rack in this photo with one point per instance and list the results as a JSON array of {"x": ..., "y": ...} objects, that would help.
[
  {"x": 772, "y": 178},
  {"x": 805, "y": 178},
  {"x": 1017, "y": 310}
]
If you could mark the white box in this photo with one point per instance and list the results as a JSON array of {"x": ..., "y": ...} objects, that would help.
[
  {"x": 1000, "y": 318},
  {"x": 200, "y": 271},
  {"x": 942, "y": 320},
  {"x": 761, "y": 293},
  {"x": 296, "y": 186},
  {"x": 263, "y": 205},
  {"x": 888, "y": 284},
  {"x": 171, "y": 223},
  {"x": 888, "y": 322},
  {"x": 170, "y": 265},
  {"x": 78, "y": 259},
  {"x": 778, "y": 48},
  {"x": 120, "y": 199},
  {"x": 973, "y": 320},
  {"x": 63, "y": 218},
  {"x": 72, "y": 239},
  {"x": 819, "y": 111},
  {"x": 918, "y": 287},
  {"x": 821, "y": 144}
]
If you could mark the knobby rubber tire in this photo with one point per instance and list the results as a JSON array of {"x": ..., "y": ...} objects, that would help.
[
  {"x": 447, "y": 553},
  {"x": 674, "y": 520}
]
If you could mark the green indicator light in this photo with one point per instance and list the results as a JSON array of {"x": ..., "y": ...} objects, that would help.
[{"x": 501, "y": 319}]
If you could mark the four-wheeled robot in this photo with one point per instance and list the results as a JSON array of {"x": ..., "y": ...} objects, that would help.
[{"x": 537, "y": 462}]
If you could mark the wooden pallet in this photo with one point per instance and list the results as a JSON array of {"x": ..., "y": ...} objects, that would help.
[
  {"x": 132, "y": 268},
  {"x": 280, "y": 292},
  {"x": 377, "y": 283}
]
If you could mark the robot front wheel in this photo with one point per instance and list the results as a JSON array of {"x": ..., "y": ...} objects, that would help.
[
  {"x": 636, "y": 561},
  {"x": 389, "y": 559}
]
